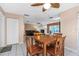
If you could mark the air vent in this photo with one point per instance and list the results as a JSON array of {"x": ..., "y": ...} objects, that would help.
[
  {"x": 28, "y": 21},
  {"x": 50, "y": 17},
  {"x": 26, "y": 15},
  {"x": 38, "y": 23}
]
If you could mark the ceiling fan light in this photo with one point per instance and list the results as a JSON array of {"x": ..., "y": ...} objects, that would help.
[{"x": 47, "y": 5}]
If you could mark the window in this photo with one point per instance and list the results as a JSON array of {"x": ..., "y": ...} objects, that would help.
[{"x": 53, "y": 28}]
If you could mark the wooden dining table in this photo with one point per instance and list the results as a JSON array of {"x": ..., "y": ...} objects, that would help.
[{"x": 46, "y": 40}]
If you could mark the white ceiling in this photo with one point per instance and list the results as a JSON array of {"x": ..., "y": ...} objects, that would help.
[{"x": 36, "y": 14}]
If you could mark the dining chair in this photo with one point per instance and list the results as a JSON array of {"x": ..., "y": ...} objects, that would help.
[
  {"x": 57, "y": 49},
  {"x": 63, "y": 45},
  {"x": 31, "y": 48},
  {"x": 53, "y": 43},
  {"x": 57, "y": 34}
]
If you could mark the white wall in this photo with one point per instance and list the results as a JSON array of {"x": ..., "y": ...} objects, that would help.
[
  {"x": 69, "y": 27},
  {"x": 21, "y": 30},
  {"x": 78, "y": 31}
]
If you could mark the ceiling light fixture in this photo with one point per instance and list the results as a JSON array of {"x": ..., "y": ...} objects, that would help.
[{"x": 47, "y": 5}]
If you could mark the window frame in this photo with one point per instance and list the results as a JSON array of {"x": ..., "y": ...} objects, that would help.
[{"x": 53, "y": 24}]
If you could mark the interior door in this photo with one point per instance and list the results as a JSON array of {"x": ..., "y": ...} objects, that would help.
[{"x": 12, "y": 31}]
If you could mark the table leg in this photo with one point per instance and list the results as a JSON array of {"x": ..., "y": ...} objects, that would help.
[{"x": 44, "y": 49}]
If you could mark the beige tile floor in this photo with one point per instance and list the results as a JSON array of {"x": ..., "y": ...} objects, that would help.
[{"x": 19, "y": 50}]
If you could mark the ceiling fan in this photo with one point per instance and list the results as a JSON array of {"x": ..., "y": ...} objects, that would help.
[{"x": 53, "y": 5}]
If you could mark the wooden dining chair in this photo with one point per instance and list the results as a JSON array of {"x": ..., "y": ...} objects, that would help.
[
  {"x": 57, "y": 34},
  {"x": 38, "y": 36},
  {"x": 53, "y": 43},
  {"x": 31, "y": 48},
  {"x": 57, "y": 49},
  {"x": 63, "y": 45}
]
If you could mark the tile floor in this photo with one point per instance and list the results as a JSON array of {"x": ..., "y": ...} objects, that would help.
[{"x": 19, "y": 50}]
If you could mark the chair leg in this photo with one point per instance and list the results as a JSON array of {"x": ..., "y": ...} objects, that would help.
[
  {"x": 37, "y": 54},
  {"x": 63, "y": 52},
  {"x": 27, "y": 53}
]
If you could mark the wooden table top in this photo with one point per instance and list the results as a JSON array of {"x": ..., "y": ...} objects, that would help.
[{"x": 46, "y": 39}]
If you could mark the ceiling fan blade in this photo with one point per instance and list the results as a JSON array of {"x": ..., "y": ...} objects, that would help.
[
  {"x": 43, "y": 9},
  {"x": 37, "y": 4},
  {"x": 55, "y": 5}
]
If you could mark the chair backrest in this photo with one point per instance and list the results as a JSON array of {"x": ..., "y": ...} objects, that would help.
[
  {"x": 58, "y": 46},
  {"x": 63, "y": 40},
  {"x": 63, "y": 46},
  {"x": 57, "y": 34},
  {"x": 37, "y": 35}
]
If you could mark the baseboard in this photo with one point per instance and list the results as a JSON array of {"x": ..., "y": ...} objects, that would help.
[{"x": 72, "y": 51}]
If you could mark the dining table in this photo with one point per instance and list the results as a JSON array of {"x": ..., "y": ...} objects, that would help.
[{"x": 46, "y": 40}]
